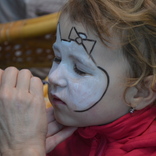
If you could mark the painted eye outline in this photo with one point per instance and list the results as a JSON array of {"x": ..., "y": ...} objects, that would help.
[{"x": 79, "y": 71}]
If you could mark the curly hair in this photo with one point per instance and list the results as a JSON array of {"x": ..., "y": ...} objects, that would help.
[{"x": 134, "y": 21}]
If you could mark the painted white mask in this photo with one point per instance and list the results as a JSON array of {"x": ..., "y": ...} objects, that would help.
[{"x": 76, "y": 78}]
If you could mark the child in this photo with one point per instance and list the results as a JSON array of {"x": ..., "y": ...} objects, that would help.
[{"x": 103, "y": 77}]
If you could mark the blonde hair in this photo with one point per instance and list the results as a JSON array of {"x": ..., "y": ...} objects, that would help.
[{"x": 135, "y": 23}]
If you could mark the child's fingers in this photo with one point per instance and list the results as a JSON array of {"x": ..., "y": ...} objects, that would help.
[
  {"x": 23, "y": 80},
  {"x": 36, "y": 86},
  {"x": 9, "y": 77}
]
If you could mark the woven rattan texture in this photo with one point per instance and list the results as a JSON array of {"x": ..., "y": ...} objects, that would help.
[{"x": 26, "y": 53}]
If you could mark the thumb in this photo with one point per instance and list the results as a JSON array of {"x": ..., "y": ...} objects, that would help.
[{"x": 53, "y": 141}]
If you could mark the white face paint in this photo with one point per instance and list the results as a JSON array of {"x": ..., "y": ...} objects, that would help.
[
  {"x": 80, "y": 90},
  {"x": 76, "y": 78}
]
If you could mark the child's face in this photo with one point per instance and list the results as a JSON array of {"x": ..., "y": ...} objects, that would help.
[{"x": 87, "y": 79}]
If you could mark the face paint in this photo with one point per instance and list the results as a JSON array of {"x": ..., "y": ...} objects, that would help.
[
  {"x": 77, "y": 80},
  {"x": 79, "y": 86}
]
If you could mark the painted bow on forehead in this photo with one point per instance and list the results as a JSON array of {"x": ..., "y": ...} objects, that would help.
[{"x": 81, "y": 39}]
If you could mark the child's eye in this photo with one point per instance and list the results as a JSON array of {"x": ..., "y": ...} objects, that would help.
[
  {"x": 57, "y": 60},
  {"x": 78, "y": 71}
]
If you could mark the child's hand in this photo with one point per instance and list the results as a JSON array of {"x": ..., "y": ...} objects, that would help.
[
  {"x": 23, "y": 122},
  {"x": 56, "y": 132}
]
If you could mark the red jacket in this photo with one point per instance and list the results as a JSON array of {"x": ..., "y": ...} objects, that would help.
[{"x": 131, "y": 135}]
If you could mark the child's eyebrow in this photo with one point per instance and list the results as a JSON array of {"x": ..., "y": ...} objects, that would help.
[
  {"x": 76, "y": 58},
  {"x": 82, "y": 61}
]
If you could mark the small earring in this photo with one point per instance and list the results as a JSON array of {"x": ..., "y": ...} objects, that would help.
[{"x": 132, "y": 110}]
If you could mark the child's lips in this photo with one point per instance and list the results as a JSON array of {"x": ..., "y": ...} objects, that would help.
[{"x": 56, "y": 100}]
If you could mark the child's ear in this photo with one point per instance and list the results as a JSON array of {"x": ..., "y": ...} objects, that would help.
[{"x": 141, "y": 96}]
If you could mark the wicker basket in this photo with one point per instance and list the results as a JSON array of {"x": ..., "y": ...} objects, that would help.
[{"x": 28, "y": 43}]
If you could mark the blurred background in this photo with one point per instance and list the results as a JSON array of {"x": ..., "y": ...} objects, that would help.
[{"x": 27, "y": 32}]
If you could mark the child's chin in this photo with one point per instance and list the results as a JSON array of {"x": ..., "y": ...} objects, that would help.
[
  {"x": 66, "y": 120},
  {"x": 68, "y": 123}
]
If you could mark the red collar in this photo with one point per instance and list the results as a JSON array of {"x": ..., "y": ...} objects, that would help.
[{"x": 128, "y": 126}]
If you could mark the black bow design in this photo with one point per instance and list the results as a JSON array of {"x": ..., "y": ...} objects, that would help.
[{"x": 81, "y": 39}]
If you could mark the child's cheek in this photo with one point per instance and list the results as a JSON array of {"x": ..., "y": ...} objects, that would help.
[{"x": 87, "y": 92}]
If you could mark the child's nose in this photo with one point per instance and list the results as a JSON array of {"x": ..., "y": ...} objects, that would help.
[{"x": 57, "y": 77}]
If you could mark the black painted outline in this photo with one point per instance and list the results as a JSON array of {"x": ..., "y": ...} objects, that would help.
[
  {"x": 89, "y": 53},
  {"x": 76, "y": 39},
  {"x": 82, "y": 39},
  {"x": 108, "y": 81}
]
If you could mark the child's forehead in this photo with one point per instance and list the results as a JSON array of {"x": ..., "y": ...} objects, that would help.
[
  {"x": 93, "y": 45},
  {"x": 66, "y": 25}
]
